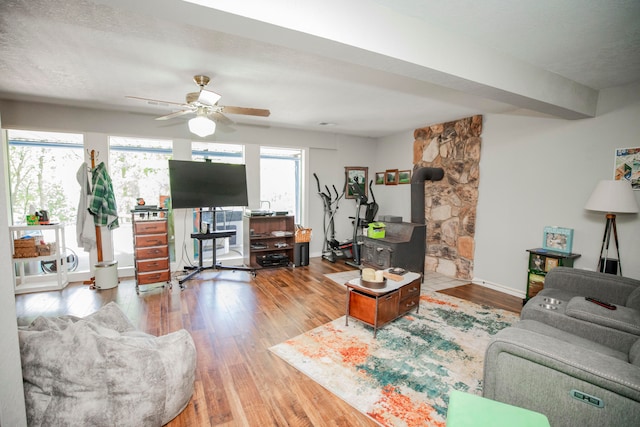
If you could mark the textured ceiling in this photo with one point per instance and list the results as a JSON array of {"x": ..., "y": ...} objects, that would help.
[{"x": 367, "y": 67}]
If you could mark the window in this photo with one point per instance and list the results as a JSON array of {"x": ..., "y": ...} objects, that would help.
[
  {"x": 138, "y": 168},
  {"x": 42, "y": 176},
  {"x": 280, "y": 180},
  {"x": 217, "y": 153}
]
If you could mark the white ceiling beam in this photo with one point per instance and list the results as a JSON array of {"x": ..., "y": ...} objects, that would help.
[{"x": 365, "y": 33}]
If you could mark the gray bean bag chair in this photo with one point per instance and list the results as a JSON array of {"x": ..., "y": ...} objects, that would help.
[{"x": 99, "y": 371}]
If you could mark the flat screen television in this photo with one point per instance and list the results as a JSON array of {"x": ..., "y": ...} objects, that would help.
[{"x": 207, "y": 184}]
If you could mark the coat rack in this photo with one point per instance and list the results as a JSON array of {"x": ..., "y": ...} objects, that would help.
[{"x": 98, "y": 232}]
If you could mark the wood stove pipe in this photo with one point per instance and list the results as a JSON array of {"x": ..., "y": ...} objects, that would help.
[{"x": 417, "y": 191}]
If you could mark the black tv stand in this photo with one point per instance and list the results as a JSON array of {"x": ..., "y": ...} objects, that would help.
[{"x": 212, "y": 235}]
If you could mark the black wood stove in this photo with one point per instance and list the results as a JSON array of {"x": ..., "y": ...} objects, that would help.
[{"x": 405, "y": 243}]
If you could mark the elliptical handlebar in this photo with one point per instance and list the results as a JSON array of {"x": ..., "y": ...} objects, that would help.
[
  {"x": 317, "y": 181},
  {"x": 373, "y": 197},
  {"x": 326, "y": 197}
]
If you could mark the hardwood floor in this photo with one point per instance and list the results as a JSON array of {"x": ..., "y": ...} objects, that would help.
[{"x": 234, "y": 319}]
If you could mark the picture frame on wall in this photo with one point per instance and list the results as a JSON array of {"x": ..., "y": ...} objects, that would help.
[
  {"x": 391, "y": 177},
  {"x": 355, "y": 174},
  {"x": 627, "y": 166},
  {"x": 558, "y": 239},
  {"x": 404, "y": 177},
  {"x": 379, "y": 178}
]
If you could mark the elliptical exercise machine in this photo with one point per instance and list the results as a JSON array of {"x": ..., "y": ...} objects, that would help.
[
  {"x": 332, "y": 249},
  {"x": 371, "y": 209}
]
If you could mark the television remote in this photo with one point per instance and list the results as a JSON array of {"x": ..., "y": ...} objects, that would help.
[{"x": 601, "y": 303}]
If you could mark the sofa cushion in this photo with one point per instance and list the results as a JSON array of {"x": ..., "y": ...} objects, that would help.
[
  {"x": 622, "y": 318},
  {"x": 549, "y": 331},
  {"x": 100, "y": 371}
]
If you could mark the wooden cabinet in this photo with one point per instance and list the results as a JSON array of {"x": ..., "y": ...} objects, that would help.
[
  {"x": 409, "y": 298},
  {"x": 377, "y": 307},
  {"x": 540, "y": 262},
  {"x": 151, "y": 247},
  {"x": 268, "y": 241},
  {"x": 28, "y": 275}
]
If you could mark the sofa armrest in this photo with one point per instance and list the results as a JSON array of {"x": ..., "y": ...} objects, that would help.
[
  {"x": 607, "y": 287},
  {"x": 561, "y": 358}
]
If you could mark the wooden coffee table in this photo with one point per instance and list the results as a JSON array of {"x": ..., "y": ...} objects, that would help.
[{"x": 377, "y": 307}]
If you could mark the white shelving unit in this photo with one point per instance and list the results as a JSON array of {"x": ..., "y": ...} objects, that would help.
[{"x": 38, "y": 280}]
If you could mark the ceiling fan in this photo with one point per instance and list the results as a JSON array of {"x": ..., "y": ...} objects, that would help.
[{"x": 204, "y": 104}]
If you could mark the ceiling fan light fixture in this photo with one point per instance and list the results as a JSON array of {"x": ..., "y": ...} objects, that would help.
[
  {"x": 202, "y": 126},
  {"x": 208, "y": 97}
]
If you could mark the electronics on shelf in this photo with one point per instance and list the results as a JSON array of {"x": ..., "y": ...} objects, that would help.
[{"x": 273, "y": 260}]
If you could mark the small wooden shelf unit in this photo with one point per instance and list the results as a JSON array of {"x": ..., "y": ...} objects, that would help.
[
  {"x": 259, "y": 239},
  {"x": 540, "y": 262}
]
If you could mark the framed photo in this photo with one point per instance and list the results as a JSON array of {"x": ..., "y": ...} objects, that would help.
[
  {"x": 558, "y": 239},
  {"x": 379, "y": 178},
  {"x": 358, "y": 175},
  {"x": 391, "y": 177},
  {"x": 537, "y": 262},
  {"x": 550, "y": 263},
  {"x": 404, "y": 177},
  {"x": 627, "y": 166}
]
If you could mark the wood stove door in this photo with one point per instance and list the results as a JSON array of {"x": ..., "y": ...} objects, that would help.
[{"x": 377, "y": 254}]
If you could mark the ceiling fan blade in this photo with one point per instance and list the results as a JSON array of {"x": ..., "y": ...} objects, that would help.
[
  {"x": 156, "y": 101},
  {"x": 220, "y": 118},
  {"x": 173, "y": 115},
  {"x": 246, "y": 111}
]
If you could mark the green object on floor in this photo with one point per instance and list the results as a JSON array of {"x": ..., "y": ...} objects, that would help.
[{"x": 469, "y": 410}]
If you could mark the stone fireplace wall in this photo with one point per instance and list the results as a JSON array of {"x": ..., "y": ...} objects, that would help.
[{"x": 450, "y": 204}]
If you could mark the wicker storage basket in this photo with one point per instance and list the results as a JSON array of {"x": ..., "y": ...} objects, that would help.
[
  {"x": 303, "y": 235},
  {"x": 24, "y": 248},
  {"x": 46, "y": 249}
]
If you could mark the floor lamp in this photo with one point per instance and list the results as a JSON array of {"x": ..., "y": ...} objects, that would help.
[{"x": 612, "y": 197}]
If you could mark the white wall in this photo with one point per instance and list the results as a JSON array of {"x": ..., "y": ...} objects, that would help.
[
  {"x": 536, "y": 171},
  {"x": 329, "y": 165},
  {"x": 12, "y": 408},
  {"x": 539, "y": 171},
  {"x": 395, "y": 152}
]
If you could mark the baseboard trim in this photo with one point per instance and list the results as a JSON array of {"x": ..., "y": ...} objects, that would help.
[{"x": 498, "y": 287}]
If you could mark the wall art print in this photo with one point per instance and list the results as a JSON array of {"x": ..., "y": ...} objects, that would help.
[
  {"x": 356, "y": 174},
  {"x": 627, "y": 166}
]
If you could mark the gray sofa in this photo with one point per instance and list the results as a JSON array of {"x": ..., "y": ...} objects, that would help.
[
  {"x": 562, "y": 304},
  {"x": 572, "y": 360}
]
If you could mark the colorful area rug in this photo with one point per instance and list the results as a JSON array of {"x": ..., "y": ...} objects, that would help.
[{"x": 405, "y": 375}]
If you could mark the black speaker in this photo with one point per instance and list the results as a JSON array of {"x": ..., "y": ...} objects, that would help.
[
  {"x": 608, "y": 265},
  {"x": 301, "y": 254}
]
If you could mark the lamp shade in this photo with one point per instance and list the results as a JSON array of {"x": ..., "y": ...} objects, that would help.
[
  {"x": 613, "y": 197},
  {"x": 202, "y": 126}
]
